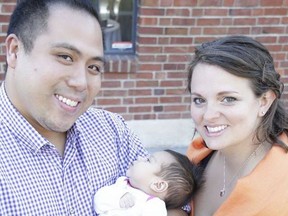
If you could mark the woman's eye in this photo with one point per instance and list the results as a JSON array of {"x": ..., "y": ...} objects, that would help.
[
  {"x": 229, "y": 99},
  {"x": 198, "y": 101}
]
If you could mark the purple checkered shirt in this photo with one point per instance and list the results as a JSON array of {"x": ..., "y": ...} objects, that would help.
[{"x": 36, "y": 180}]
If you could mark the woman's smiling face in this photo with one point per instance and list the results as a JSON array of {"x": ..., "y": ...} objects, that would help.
[{"x": 223, "y": 107}]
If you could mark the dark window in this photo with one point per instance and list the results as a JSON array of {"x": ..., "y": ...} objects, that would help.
[{"x": 118, "y": 24}]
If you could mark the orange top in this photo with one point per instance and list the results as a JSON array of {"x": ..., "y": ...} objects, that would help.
[{"x": 264, "y": 192}]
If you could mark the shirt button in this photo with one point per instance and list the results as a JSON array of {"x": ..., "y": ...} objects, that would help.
[{"x": 72, "y": 211}]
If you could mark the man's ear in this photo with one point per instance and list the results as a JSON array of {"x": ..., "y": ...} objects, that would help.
[
  {"x": 12, "y": 46},
  {"x": 266, "y": 101},
  {"x": 158, "y": 185}
]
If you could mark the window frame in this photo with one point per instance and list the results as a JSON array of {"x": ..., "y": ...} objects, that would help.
[{"x": 130, "y": 51}]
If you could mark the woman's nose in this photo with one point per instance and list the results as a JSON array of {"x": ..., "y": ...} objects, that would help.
[{"x": 211, "y": 112}]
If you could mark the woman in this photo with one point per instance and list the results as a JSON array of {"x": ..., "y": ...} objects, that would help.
[{"x": 243, "y": 126}]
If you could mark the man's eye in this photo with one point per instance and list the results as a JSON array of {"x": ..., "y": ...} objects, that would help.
[
  {"x": 66, "y": 57},
  {"x": 96, "y": 69}
]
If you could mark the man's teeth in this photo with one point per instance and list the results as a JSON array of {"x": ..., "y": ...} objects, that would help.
[
  {"x": 216, "y": 129},
  {"x": 67, "y": 101}
]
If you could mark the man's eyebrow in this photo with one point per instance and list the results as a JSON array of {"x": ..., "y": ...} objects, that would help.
[
  {"x": 100, "y": 58},
  {"x": 74, "y": 49}
]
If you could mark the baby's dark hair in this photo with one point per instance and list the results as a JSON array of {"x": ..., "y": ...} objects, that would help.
[{"x": 184, "y": 179}]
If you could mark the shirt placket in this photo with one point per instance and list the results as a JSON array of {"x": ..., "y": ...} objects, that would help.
[{"x": 68, "y": 180}]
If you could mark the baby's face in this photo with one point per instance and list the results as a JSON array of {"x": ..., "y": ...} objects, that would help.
[{"x": 143, "y": 171}]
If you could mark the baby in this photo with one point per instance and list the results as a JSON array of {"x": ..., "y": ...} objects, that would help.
[{"x": 164, "y": 180}]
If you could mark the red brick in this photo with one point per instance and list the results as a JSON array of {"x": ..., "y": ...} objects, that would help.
[
  {"x": 140, "y": 109},
  {"x": 112, "y": 93},
  {"x": 176, "y": 108},
  {"x": 276, "y": 11},
  {"x": 147, "y": 40},
  {"x": 164, "y": 40},
  {"x": 208, "y": 22},
  {"x": 177, "y": 58},
  {"x": 181, "y": 40},
  {"x": 170, "y": 100},
  {"x": 150, "y": 67},
  {"x": 245, "y": 21},
  {"x": 178, "y": 91},
  {"x": 147, "y": 83},
  {"x": 228, "y": 3},
  {"x": 102, "y": 102},
  {"x": 239, "y": 30},
  {"x": 269, "y": 21},
  {"x": 178, "y": 12},
  {"x": 4, "y": 18},
  {"x": 151, "y": 12},
  {"x": 176, "y": 31},
  {"x": 209, "y": 3},
  {"x": 216, "y": 12},
  {"x": 166, "y": 3},
  {"x": 8, "y": 8},
  {"x": 176, "y": 49},
  {"x": 183, "y": 21},
  {"x": 271, "y": 3},
  {"x": 250, "y": 3},
  {"x": 240, "y": 12},
  {"x": 183, "y": 3},
  {"x": 151, "y": 30},
  {"x": 146, "y": 100},
  {"x": 215, "y": 31},
  {"x": 137, "y": 92},
  {"x": 148, "y": 21},
  {"x": 146, "y": 49},
  {"x": 150, "y": 3},
  {"x": 171, "y": 83},
  {"x": 144, "y": 75},
  {"x": 111, "y": 84}
]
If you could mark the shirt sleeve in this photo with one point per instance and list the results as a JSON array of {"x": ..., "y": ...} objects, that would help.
[
  {"x": 107, "y": 198},
  {"x": 129, "y": 145}
]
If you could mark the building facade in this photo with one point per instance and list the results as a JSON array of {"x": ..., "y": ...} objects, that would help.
[{"x": 151, "y": 84}]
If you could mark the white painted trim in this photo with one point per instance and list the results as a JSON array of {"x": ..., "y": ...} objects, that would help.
[{"x": 163, "y": 133}]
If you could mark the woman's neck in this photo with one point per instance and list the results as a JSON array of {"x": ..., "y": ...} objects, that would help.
[{"x": 236, "y": 156}]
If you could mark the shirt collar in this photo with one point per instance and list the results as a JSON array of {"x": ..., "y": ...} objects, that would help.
[{"x": 21, "y": 129}]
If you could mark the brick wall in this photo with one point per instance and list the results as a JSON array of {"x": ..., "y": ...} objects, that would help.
[{"x": 151, "y": 85}]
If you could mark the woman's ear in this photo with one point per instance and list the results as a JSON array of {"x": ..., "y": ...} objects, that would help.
[
  {"x": 12, "y": 46},
  {"x": 159, "y": 185},
  {"x": 266, "y": 101}
]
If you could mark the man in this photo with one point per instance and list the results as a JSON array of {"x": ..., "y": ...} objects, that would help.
[{"x": 56, "y": 151}]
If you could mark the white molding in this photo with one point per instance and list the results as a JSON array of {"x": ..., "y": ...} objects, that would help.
[{"x": 163, "y": 133}]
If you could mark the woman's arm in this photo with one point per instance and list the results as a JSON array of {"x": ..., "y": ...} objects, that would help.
[{"x": 177, "y": 212}]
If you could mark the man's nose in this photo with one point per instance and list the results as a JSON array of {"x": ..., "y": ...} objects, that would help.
[{"x": 78, "y": 79}]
